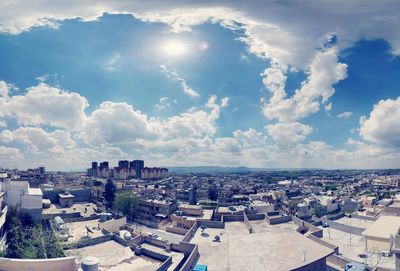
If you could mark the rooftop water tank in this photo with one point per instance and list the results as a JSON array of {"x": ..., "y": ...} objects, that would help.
[{"x": 90, "y": 264}]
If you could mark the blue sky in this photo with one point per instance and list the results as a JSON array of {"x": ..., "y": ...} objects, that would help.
[{"x": 180, "y": 88}]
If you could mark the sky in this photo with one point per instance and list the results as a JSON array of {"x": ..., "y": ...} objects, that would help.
[{"x": 265, "y": 84}]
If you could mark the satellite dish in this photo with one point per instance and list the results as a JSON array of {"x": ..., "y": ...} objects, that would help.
[{"x": 88, "y": 230}]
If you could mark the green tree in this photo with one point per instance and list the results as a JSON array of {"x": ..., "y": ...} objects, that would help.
[
  {"x": 109, "y": 193},
  {"x": 27, "y": 239},
  {"x": 126, "y": 203},
  {"x": 319, "y": 210},
  {"x": 213, "y": 193}
]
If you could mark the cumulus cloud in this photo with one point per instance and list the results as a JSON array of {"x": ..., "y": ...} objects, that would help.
[
  {"x": 37, "y": 140},
  {"x": 3, "y": 89},
  {"x": 250, "y": 138},
  {"x": 323, "y": 71},
  {"x": 227, "y": 144},
  {"x": 382, "y": 126},
  {"x": 46, "y": 105},
  {"x": 182, "y": 81},
  {"x": 288, "y": 133},
  {"x": 116, "y": 123},
  {"x": 10, "y": 157},
  {"x": 345, "y": 115}
]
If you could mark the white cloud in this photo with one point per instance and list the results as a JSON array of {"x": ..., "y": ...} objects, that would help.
[
  {"x": 165, "y": 102},
  {"x": 45, "y": 105},
  {"x": 382, "y": 126},
  {"x": 345, "y": 115},
  {"x": 182, "y": 81},
  {"x": 323, "y": 71},
  {"x": 116, "y": 123},
  {"x": 10, "y": 157},
  {"x": 227, "y": 144},
  {"x": 288, "y": 133},
  {"x": 225, "y": 102},
  {"x": 110, "y": 64},
  {"x": 328, "y": 107},
  {"x": 37, "y": 140},
  {"x": 250, "y": 138},
  {"x": 3, "y": 89}
]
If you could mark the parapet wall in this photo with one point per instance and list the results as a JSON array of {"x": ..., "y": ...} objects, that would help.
[
  {"x": 256, "y": 216},
  {"x": 191, "y": 252},
  {"x": 81, "y": 194},
  {"x": 363, "y": 217},
  {"x": 165, "y": 265},
  {"x": 154, "y": 242},
  {"x": 59, "y": 264},
  {"x": 315, "y": 231},
  {"x": 212, "y": 224},
  {"x": 230, "y": 218},
  {"x": 322, "y": 242},
  {"x": 179, "y": 231},
  {"x": 247, "y": 223},
  {"x": 191, "y": 232},
  {"x": 88, "y": 242},
  {"x": 343, "y": 227},
  {"x": 273, "y": 220}
]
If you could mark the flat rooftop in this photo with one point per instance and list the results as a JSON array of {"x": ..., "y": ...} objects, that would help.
[
  {"x": 85, "y": 209},
  {"x": 355, "y": 222},
  {"x": 115, "y": 257},
  {"x": 78, "y": 231},
  {"x": 207, "y": 214},
  {"x": 352, "y": 247},
  {"x": 384, "y": 227},
  {"x": 35, "y": 191},
  {"x": 239, "y": 250},
  {"x": 176, "y": 256},
  {"x": 223, "y": 209}
]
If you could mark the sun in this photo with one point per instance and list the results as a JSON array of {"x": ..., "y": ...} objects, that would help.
[{"x": 174, "y": 48}]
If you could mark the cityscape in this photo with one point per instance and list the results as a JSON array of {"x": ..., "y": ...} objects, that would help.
[{"x": 199, "y": 135}]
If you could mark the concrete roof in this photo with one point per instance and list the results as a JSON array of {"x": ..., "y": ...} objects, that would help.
[
  {"x": 66, "y": 196},
  {"x": 35, "y": 191},
  {"x": 384, "y": 227},
  {"x": 239, "y": 250}
]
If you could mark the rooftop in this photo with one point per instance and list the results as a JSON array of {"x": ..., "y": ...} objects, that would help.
[
  {"x": 66, "y": 196},
  {"x": 35, "y": 191},
  {"x": 115, "y": 257},
  {"x": 85, "y": 209},
  {"x": 238, "y": 248},
  {"x": 384, "y": 227}
]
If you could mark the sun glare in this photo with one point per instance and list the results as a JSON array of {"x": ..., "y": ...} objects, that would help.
[{"x": 174, "y": 48}]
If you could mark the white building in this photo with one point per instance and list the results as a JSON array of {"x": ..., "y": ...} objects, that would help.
[
  {"x": 262, "y": 207},
  {"x": 330, "y": 203},
  {"x": 19, "y": 194},
  {"x": 303, "y": 210},
  {"x": 380, "y": 236}
]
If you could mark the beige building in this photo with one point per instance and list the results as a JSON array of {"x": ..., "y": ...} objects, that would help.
[{"x": 380, "y": 235}]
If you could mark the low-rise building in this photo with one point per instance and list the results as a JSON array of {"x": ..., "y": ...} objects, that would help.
[
  {"x": 66, "y": 199},
  {"x": 19, "y": 194},
  {"x": 380, "y": 236},
  {"x": 329, "y": 203}
]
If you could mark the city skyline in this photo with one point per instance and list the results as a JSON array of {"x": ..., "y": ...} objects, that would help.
[{"x": 261, "y": 85}]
